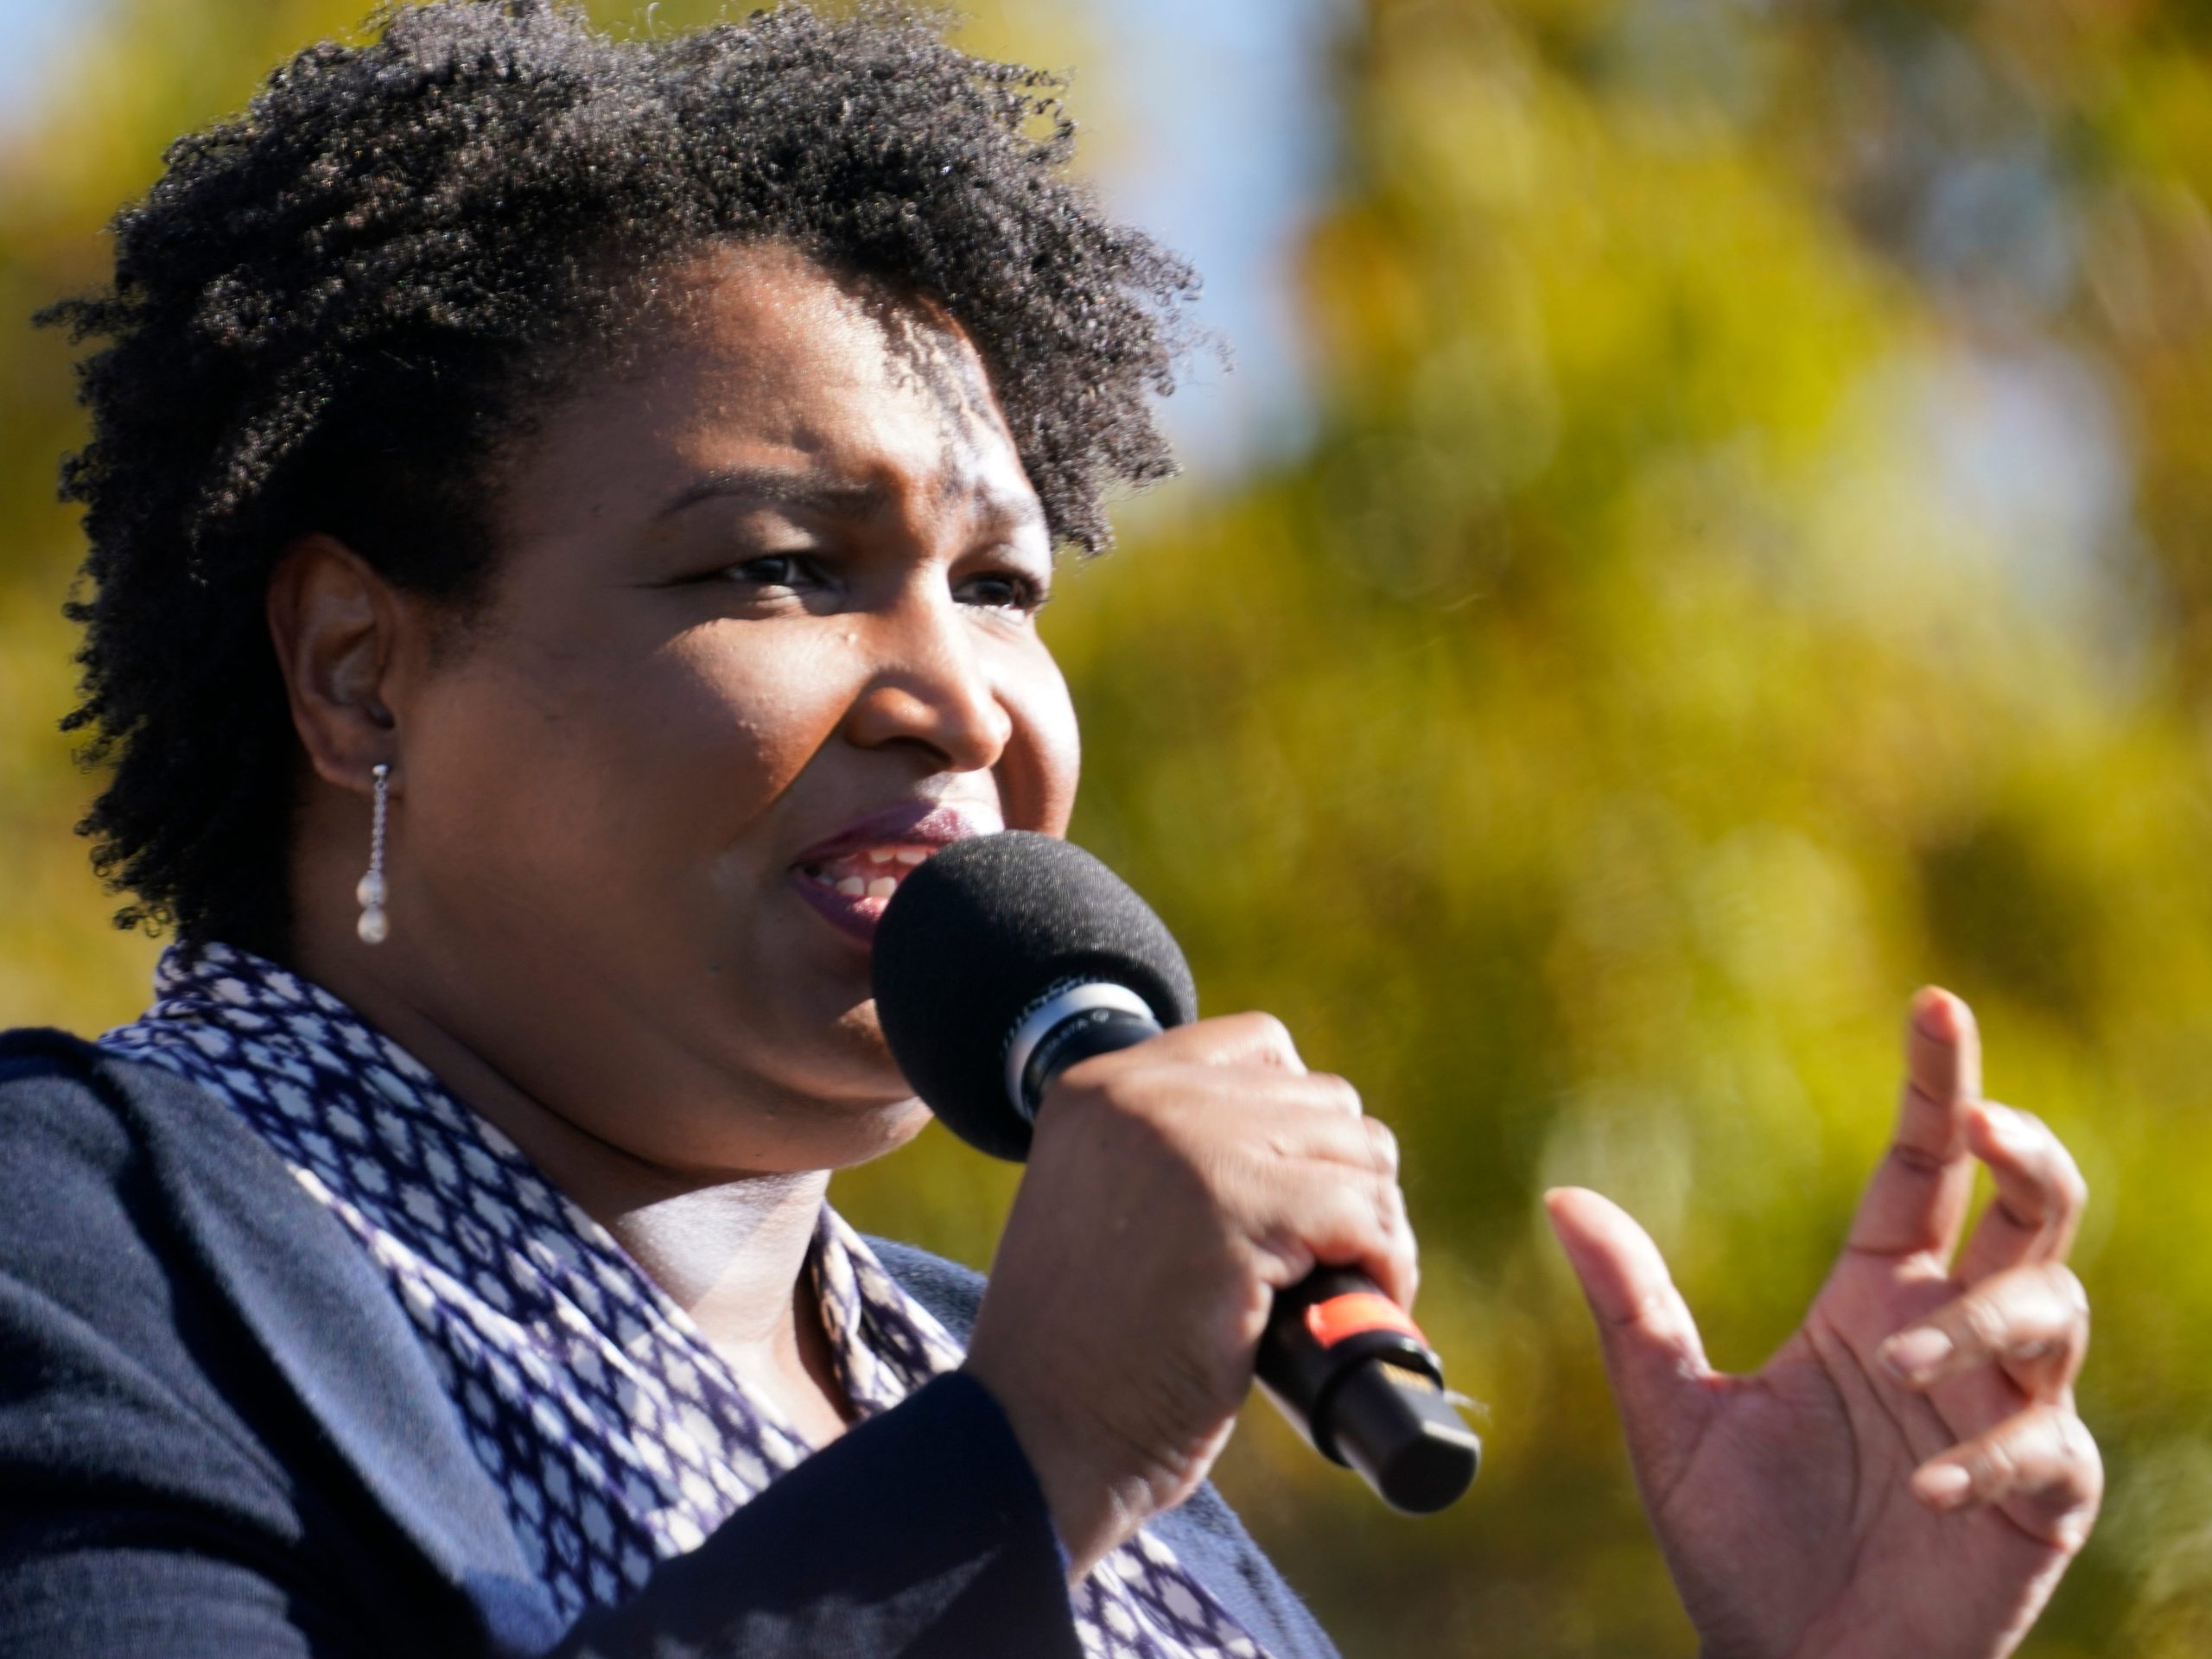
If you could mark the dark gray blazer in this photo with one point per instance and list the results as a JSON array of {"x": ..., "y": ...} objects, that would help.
[{"x": 221, "y": 1439}]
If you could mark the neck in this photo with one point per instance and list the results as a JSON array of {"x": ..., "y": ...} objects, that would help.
[
  {"x": 732, "y": 1255},
  {"x": 727, "y": 1247}
]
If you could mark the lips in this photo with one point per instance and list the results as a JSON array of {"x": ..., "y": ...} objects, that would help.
[{"x": 850, "y": 878}]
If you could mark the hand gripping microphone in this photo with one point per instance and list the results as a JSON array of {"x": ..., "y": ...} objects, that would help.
[{"x": 1006, "y": 959}]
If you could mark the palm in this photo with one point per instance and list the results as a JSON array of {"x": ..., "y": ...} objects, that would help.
[
  {"x": 1791, "y": 1529},
  {"x": 1783, "y": 1500}
]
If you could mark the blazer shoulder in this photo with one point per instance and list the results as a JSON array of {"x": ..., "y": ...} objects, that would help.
[
  {"x": 50, "y": 1077},
  {"x": 109, "y": 1164},
  {"x": 105, "y": 1143},
  {"x": 37, "y": 1060},
  {"x": 69, "y": 1115}
]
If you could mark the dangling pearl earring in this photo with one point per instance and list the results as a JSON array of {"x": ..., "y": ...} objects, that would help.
[{"x": 373, "y": 927}]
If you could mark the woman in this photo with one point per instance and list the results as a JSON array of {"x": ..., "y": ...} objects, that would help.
[{"x": 568, "y": 523}]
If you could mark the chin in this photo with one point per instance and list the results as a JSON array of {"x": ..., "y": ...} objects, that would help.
[
  {"x": 862, "y": 1070},
  {"x": 870, "y": 1131}
]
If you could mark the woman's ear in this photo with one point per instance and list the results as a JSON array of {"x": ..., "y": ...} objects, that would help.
[{"x": 338, "y": 627}]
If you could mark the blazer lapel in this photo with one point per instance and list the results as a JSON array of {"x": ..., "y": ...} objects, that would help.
[{"x": 328, "y": 1323}]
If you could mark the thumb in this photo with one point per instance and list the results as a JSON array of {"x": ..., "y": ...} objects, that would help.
[{"x": 1653, "y": 1352}]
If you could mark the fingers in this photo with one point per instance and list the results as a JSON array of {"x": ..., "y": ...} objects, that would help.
[
  {"x": 1623, "y": 1276},
  {"x": 1238, "y": 1056},
  {"x": 1227, "y": 1117},
  {"x": 2042, "y": 1465},
  {"x": 1917, "y": 1198},
  {"x": 2039, "y": 1465},
  {"x": 1333, "y": 1219},
  {"x": 1942, "y": 1046},
  {"x": 1338, "y": 1174},
  {"x": 1292, "y": 1114},
  {"x": 1652, "y": 1350},
  {"x": 1324, "y": 1177},
  {"x": 2040, "y": 1193},
  {"x": 1171, "y": 1187},
  {"x": 1318, "y": 1184},
  {"x": 2032, "y": 1320},
  {"x": 1319, "y": 1130}
]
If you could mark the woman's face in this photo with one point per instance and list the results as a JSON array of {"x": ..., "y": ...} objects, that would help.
[{"x": 763, "y": 631}]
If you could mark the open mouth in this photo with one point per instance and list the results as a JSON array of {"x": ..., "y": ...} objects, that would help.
[
  {"x": 849, "y": 878},
  {"x": 868, "y": 872}
]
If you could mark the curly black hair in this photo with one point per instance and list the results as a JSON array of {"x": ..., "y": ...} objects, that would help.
[{"x": 332, "y": 311}]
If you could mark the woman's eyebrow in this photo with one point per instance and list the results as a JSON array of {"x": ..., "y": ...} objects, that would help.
[
  {"x": 814, "y": 492},
  {"x": 780, "y": 488}
]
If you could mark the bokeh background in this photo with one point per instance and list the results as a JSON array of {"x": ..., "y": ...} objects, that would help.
[{"x": 1711, "y": 527}]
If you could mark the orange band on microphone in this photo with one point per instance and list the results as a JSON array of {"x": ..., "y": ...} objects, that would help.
[{"x": 1355, "y": 1312}]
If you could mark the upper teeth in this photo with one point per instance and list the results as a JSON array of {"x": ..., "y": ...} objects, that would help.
[{"x": 894, "y": 861}]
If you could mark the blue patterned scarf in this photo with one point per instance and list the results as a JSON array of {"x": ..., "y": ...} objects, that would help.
[{"x": 618, "y": 1434}]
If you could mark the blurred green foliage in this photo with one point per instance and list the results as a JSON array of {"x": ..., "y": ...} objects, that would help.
[{"x": 1756, "y": 557}]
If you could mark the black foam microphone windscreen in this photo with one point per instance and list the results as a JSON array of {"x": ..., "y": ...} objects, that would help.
[{"x": 981, "y": 931}]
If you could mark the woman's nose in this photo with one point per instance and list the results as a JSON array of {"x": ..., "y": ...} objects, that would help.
[{"x": 929, "y": 684}]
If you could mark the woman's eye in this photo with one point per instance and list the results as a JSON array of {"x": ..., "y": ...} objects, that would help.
[
  {"x": 773, "y": 570},
  {"x": 1004, "y": 590}
]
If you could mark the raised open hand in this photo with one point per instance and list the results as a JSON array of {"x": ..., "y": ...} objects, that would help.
[{"x": 1906, "y": 1477}]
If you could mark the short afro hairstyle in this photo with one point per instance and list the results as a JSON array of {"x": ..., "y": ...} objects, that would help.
[{"x": 331, "y": 311}]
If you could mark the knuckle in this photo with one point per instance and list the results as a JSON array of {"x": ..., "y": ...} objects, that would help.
[
  {"x": 1982, "y": 1322},
  {"x": 1383, "y": 1143},
  {"x": 2067, "y": 1287},
  {"x": 1269, "y": 1031},
  {"x": 1380, "y": 1218},
  {"x": 1383, "y": 1199},
  {"x": 1335, "y": 1092},
  {"x": 2073, "y": 1189},
  {"x": 2084, "y": 1469},
  {"x": 1408, "y": 1258},
  {"x": 2030, "y": 1218},
  {"x": 2075, "y": 1444},
  {"x": 1996, "y": 1465},
  {"x": 1916, "y": 1159},
  {"x": 2061, "y": 1176}
]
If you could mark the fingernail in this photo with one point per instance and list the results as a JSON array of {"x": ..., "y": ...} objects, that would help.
[
  {"x": 1913, "y": 1354},
  {"x": 1943, "y": 1486}
]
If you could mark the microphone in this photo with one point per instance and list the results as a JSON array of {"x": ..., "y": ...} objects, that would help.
[{"x": 1005, "y": 959}]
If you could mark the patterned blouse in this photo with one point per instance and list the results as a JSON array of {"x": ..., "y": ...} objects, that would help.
[{"x": 617, "y": 1435}]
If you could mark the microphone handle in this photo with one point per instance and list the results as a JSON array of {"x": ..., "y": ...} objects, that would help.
[{"x": 1342, "y": 1361}]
